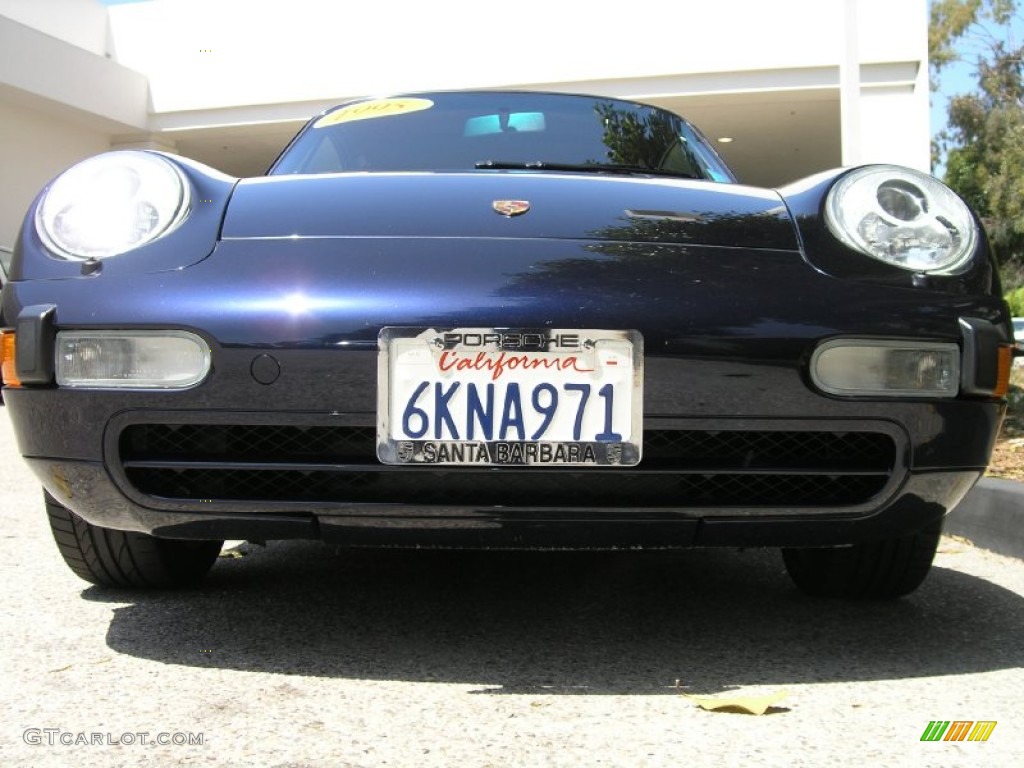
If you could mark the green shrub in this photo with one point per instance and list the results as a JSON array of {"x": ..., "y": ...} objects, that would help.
[{"x": 1016, "y": 301}]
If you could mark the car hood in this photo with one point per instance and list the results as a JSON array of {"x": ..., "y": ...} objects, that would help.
[{"x": 561, "y": 206}]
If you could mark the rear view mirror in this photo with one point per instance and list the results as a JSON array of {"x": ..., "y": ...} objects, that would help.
[{"x": 505, "y": 122}]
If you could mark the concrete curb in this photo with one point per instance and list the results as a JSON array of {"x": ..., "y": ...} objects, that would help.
[{"x": 992, "y": 517}]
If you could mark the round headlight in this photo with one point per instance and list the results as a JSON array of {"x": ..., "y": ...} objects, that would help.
[
  {"x": 902, "y": 217},
  {"x": 112, "y": 203}
]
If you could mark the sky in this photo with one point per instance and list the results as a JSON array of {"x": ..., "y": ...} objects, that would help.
[{"x": 958, "y": 78}]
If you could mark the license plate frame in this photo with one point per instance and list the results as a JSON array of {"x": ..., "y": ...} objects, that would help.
[{"x": 590, "y": 380}]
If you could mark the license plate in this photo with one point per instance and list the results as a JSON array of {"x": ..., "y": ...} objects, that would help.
[{"x": 502, "y": 396}]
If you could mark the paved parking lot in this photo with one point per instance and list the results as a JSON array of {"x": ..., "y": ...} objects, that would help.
[{"x": 296, "y": 654}]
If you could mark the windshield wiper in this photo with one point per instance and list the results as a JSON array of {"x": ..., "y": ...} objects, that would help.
[{"x": 542, "y": 165}]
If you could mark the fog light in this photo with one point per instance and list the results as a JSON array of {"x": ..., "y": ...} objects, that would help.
[
  {"x": 136, "y": 359},
  {"x": 872, "y": 368}
]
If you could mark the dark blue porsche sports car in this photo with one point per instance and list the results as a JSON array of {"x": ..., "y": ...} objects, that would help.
[{"x": 502, "y": 320}]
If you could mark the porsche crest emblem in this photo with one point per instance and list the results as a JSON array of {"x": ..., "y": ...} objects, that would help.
[{"x": 511, "y": 207}]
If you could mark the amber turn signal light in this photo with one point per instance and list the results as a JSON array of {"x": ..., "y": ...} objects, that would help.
[
  {"x": 1005, "y": 365},
  {"x": 8, "y": 367}
]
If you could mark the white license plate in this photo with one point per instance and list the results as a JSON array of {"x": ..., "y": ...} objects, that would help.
[{"x": 503, "y": 396}]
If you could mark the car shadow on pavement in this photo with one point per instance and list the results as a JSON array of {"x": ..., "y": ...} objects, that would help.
[{"x": 559, "y": 622}]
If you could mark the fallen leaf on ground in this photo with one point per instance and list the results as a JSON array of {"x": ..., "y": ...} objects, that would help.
[{"x": 752, "y": 705}]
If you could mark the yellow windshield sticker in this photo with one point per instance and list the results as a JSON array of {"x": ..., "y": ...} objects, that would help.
[{"x": 365, "y": 110}]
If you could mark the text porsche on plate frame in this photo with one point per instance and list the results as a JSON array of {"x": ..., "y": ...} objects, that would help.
[{"x": 509, "y": 396}]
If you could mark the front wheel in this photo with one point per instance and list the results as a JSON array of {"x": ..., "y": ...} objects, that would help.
[
  {"x": 876, "y": 570},
  {"x": 113, "y": 558}
]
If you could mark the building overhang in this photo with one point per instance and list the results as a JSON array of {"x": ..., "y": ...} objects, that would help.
[
  {"x": 783, "y": 124},
  {"x": 52, "y": 76}
]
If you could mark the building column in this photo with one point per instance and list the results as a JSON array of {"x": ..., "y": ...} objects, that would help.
[{"x": 849, "y": 87}]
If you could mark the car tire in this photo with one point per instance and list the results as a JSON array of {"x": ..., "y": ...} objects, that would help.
[
  {"x": 876, "y": 570},
  {"x": 112, "y": 558}
]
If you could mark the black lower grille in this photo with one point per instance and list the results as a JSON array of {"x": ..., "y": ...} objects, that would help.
[{"x": 680, "y": 468}]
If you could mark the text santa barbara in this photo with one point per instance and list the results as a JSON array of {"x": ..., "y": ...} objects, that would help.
[{"x": 444, "y": 452}]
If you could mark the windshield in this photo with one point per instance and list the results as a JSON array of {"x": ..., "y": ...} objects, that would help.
[{"x": 494, "y": 130}]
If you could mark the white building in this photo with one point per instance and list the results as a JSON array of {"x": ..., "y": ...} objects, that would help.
[{"x": 797, "y": 85}]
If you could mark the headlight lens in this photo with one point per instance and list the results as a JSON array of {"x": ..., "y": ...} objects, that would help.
[
  {"x": 902, "y": 217},
  {"x": 112, "y": 203}
]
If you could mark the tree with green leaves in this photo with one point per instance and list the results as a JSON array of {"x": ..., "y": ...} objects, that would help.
[{"x": 984, "y": 141}]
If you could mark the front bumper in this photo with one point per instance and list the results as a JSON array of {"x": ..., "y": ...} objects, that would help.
[{"x": 772, "y": 464}]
